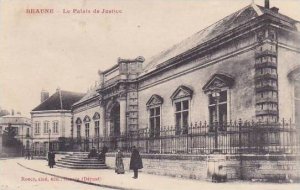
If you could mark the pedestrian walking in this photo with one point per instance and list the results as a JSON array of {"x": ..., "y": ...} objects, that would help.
[
  {"x": 119, "y": 163},
  {"x": 135, "y": 162},
  {"x": 51, "y": 159}
]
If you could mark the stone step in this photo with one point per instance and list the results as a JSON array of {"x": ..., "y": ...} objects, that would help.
[
  {"x": 80, "y": 164},
  {"x": 80, "y": 161},
  {"x": 80, "y": 153},
  {"x": 81, "y": 167},
  {"x": 78, "y": 156}
]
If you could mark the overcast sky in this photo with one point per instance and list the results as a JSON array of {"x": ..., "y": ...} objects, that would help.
[{"x": 66, "y": 50}]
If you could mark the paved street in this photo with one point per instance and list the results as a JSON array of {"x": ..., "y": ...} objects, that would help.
[{"x": 15, "y": 176}]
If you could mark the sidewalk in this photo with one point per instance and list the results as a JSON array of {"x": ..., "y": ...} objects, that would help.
[{"x": 108, "y": 178}]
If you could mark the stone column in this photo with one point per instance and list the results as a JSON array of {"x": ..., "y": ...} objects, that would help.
[
  {"x": 122, "y": 102},
  {"x": 102, "y": 121}
]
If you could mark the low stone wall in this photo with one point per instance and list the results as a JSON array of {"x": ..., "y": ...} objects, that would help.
[
  {"x": 247, "y": 167},
  {"x": 271, "y": 167},
  {"x": 183, "y": 166}
]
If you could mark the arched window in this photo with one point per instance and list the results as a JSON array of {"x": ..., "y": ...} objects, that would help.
[
  {"x": 78, "y": 127},
  {"x": 181, "y": 100},
  {"x": 154, "y": 109},
  {"x": 86, "y": 121},
  {"x": 96, "y": 119}
]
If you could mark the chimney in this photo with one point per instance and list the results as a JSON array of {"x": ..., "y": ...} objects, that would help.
[
  {"x": 12, "y": 112},
  {"x": 44, "y": 95},
  {"x": 267, "y": 4},
  {"x": 101, "y": 75}
]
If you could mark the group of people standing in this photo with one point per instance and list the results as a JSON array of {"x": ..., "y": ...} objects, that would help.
[
  {"x": 51, "y": 159},
  {"x": 135, "y": 162}
]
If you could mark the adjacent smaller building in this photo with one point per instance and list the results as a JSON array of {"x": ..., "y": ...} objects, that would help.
[
  {"x": 22, "y": 130},
  {"x": 51, "y": 120}
]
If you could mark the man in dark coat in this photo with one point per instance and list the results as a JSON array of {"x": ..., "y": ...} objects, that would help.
[
  {"x": 103, "y": 152},
  {"x": 52, "y": 159},
  {"x": 49, "y": 159},
  {"x": 135, "y": 162}
]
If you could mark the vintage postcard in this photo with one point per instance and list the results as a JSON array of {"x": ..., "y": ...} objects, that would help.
[{"x": 149, "y": 95}]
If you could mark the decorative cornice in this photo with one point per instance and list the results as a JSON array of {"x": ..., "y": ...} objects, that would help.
[
  {"x": 203, "y": 65},
  {"x": 138, "y": 59},
  {"x": 218, "y": 81},
  {"x": 182, "y": 92},
  {"x": 154, "y": 100},
  {"x": 50, "y": 111}
]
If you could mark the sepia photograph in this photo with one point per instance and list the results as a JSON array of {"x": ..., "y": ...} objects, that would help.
[{"x": 150, "y": 95}]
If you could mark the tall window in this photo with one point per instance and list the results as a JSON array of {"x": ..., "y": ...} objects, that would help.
[
  {"x": 218, "y": 101},
  {"x": 87, "y": 130},
  {"x": 181, "y": 116},
  {"x": 78, "y": 127},
  {"x": 37, "y": 128},
  {"x": 87, "y": 121},
  {"x": 78, "y": 130},
  {"x": 96, "y": 128},
  {"x": 217, "y": 88},
  {"x": 46, "y": 126},
  {"x": 181, "y": 100},
  {"x": 55, "y": 127},
  {"x": 154, "y": 106},
  {"x": 96, "y": 118},
  {"x": 154, "y": 121}
]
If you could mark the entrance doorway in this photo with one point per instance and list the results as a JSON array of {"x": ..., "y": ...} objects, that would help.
[
  {"x": 114, "y": 125},
  {"x": 115, "y": 120}
]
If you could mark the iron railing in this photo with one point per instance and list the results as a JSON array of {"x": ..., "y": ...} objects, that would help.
[{"x": 202, "y": 138}]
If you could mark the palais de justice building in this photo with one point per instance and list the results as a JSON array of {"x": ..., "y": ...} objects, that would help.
[{"x": 245, "y": 66}]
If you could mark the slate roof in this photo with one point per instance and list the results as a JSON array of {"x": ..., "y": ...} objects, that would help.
[
  {"x": 228, "y": 23},
  {"x": 60, "y": 100},
  {"x": 89, "y": 95}
]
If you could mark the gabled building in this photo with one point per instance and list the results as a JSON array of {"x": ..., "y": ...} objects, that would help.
[
  {"x": 52, "y": 119},
  {"x": 245, "y": 66}
]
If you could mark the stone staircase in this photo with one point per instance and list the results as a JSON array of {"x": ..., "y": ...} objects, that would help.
[{"x": 80, "y": 160}]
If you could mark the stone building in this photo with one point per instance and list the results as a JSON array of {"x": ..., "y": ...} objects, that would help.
[
  {"x": 52, "y": 119},
  {"x": 183, "y": 102},
  {"x": 21, "y": 125},
  {"x": 241, "y": 67},
  {"x": 86, "y": 120}
]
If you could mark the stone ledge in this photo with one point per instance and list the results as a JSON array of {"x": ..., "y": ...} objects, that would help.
[{"x": 245, "y": 157}]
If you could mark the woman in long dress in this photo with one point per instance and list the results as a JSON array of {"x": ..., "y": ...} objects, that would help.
[{"x": 119, "y": 163}]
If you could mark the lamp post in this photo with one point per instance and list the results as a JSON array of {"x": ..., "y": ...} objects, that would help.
[
  {"x": 216, "y": 96},
  {"x": 49, "y": 132}
]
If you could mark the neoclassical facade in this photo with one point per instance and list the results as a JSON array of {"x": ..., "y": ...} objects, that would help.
[{"x": 245, "y": 66}]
